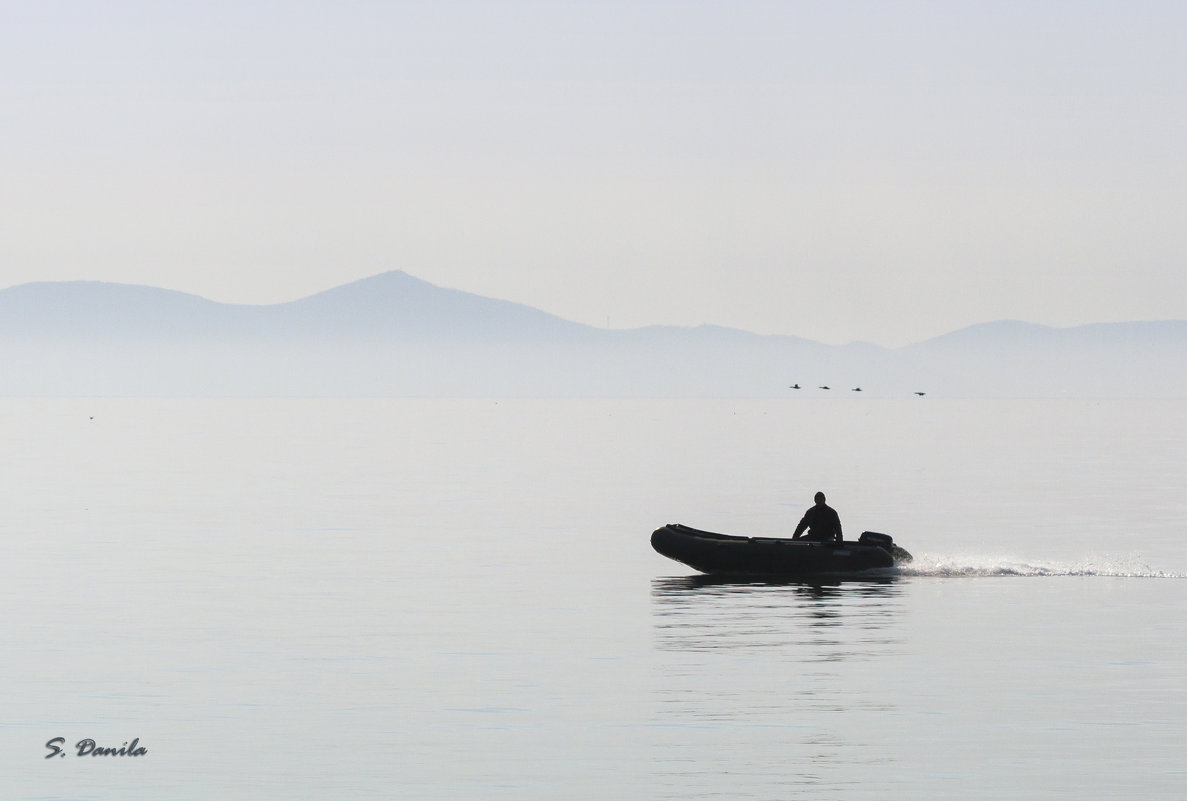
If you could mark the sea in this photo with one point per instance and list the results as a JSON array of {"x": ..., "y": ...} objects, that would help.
[{"x": 443, "y": 599}]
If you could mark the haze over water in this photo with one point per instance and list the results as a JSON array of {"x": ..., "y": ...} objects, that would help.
[{"x": 374, "y": 599}]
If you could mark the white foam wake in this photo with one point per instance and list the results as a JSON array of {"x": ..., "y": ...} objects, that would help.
[{"x": 975, "y": 566}]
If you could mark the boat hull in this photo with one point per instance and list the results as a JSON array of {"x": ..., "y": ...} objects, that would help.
[{"x": 768, "y": 556}]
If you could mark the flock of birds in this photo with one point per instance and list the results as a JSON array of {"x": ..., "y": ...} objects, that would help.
[{"x": 855, "y": 389}]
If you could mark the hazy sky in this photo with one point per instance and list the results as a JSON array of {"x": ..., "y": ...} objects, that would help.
[{"x": 881, "y": 171}]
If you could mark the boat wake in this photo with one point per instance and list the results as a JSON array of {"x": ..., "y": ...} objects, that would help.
[{"x": 973, "y": 566}]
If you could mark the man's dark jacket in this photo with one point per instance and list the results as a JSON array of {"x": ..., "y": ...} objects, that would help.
[{"x": 823, "y": 524}]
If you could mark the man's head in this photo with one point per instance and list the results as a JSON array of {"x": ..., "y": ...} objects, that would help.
[{"x": 819, "y": 498}]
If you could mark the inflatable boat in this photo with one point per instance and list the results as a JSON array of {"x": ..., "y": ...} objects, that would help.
[{"x": 772, "y": 556}]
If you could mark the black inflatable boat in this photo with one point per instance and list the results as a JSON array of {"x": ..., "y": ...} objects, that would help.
[{"x": 770, "y": 556}]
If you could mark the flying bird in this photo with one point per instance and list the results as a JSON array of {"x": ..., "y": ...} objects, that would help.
[
  {"x": 856, "y": 389},
  {"x": 794, "y": 386},
  {"x": 824, "y": 387},
  {"x": 921, "y": 394}
]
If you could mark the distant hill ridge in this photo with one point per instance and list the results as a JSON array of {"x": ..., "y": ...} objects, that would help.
[
  {"x": 389, "y": 305},
  {"x": 394, "y": 334},
  {"x": 396, "y": 304}
]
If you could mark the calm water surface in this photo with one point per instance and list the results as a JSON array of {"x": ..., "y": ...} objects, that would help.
[{"x": 375, "y": 599}]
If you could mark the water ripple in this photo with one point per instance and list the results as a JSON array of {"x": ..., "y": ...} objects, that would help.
[{"x": 980, "y": 566}]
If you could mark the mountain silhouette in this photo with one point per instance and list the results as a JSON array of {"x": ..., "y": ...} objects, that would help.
[
  {"x": 394, "y": 334},
  {"x": 392, "y": 306}
]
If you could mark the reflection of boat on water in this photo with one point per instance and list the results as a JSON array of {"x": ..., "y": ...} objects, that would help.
[
  {"x": 816, "y": 586},
  {"x": 805, "y": 618},
  {"x": 730, "y": 554}
]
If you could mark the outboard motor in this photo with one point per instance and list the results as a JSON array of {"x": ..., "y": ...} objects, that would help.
[
  {"x": 874, "y": 538},
  {"x": 886, "y": 543}
]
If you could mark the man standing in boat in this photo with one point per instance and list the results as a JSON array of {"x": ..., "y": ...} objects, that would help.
[{"x": 822, "y": 521}]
